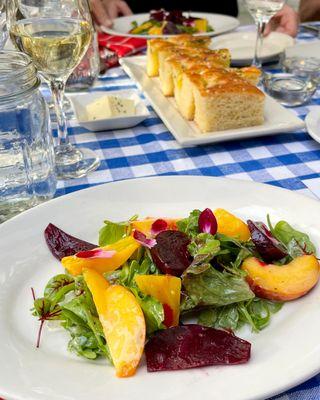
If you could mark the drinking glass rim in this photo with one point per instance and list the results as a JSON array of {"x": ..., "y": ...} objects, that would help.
[
  {"x": 25, "y": 74},
  {"x": 19, "y": 56}
]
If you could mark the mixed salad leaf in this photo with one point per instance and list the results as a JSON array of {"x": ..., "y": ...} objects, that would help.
[{"x": 162, "y": 272}]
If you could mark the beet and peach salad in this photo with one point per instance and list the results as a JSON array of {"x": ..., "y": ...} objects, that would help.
[{"x": 176, "y": 290}]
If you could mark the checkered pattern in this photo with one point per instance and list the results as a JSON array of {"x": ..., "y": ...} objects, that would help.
[{"x": 285, "y": 160}]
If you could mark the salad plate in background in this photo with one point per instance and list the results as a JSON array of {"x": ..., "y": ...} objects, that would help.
[
  {"x": 313, "y": 123},
  {"x": 218, "y": 22},
  {"x": 284, "y": 354},
  {"x": 241, "y": 46}
]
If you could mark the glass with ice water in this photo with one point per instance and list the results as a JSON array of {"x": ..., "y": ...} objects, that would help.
[{"x": 26, "y": 150}]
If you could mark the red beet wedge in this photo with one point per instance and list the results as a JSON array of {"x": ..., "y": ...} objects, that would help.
[
  {"x": 171, "y": 254},
  {"x": 192, "y": 346},
  {"x": 61, "y": 244},
  {"x": 266, "y": 244}
]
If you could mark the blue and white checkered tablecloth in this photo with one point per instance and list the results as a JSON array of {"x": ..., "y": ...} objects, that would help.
[{"x": 287, "y": 160}]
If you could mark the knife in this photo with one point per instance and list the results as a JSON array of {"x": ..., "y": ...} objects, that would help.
[{"x": 312, "y": 28}]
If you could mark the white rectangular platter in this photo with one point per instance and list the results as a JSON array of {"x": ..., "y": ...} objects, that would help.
[{"x": 277, "y": 118}]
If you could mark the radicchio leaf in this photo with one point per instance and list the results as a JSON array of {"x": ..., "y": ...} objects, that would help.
[
  {"x": 143, "y": 240},
  {"x": 207, "y": 222},
  {"x": 266, "y": 244}
]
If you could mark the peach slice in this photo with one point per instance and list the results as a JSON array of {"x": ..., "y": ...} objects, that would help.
[
  {"x": 230, "y": 225},
  {"x": 145, "y": 225},
  {"x": 167, "y": 290},
  {"x": 285, "y": 282},
  {"x": 125, "y": 329},
  {"x": 123, "y": 250},
  {"x": 97, "y": 285}
]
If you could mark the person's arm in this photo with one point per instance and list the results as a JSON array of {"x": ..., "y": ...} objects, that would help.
[
  {"x": 105, "y": 11},
  {"x": 285, "y": 21},
  {"x": 309, "y": 10}
]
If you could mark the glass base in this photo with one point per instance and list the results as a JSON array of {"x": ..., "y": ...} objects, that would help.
[{"x": 72, "y": 162}]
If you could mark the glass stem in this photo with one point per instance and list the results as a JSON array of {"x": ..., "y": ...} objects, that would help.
[
  {"x": 57, "y": 90},
  {"x": 257, "y": 51}
]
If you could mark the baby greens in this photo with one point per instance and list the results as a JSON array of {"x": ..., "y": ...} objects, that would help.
[
  {"x": 214, "y": 287},
  {"x": 297, "y": 243}
]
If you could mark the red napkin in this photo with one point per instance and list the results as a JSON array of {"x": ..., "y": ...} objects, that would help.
[{"x": 114, "y": 47}]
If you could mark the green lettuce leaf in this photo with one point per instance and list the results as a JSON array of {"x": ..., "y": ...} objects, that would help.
[
  {"x": 58, "y": 287},
  {"x": 226, "y": 317},
  {"x": 190, "y": 225},
  {"x": 233, "y": 252},
  {"x": 206, "y": 286},
  {"x": 204, "y": 244},
  {"x": 260, "y": 312},
  {"x": 151, "y": 307},
  {"x": 45, "y": 309},
  {"x": 80, "y": 319},
  {"x": 111, "y": 232},
  {"x": 152, "y": 310},
  {"x": 83, "y": 341},
  {"x": 129, "y": 271},
  {"x": 256, "y": 313},
  {"x": 84, "y": 326},
  {"x": 297, "y": 243}
]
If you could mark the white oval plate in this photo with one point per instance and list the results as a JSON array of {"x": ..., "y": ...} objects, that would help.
[
  {"x": 220, "y": 23},
  {"x": 241, "y": 46},
  {"x": 277, "y": 118},
  {"x": 283, "y": 355},
  {"x": 313, "y": 123}
]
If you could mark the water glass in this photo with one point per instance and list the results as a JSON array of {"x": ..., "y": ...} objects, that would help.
[
  {"x": 26, "y": 150},
  {"x": 290, "y": 90},
  {"x": 303, "y": 67}
]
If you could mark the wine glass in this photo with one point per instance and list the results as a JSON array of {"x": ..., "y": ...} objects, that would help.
[
  {"x": 56, "y": 35},
  {"x": 3, "y": 26},
  {"x": 262, "y": 11}
]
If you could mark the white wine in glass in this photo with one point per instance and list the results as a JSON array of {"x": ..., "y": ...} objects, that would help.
[
  {"x": 56, "y": 35},
  {"x": 262, "y": 11}
]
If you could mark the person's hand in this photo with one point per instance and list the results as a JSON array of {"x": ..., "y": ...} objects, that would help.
[
  {"x": 285, "y": 21},
  {"x": 105, "y": 11}
]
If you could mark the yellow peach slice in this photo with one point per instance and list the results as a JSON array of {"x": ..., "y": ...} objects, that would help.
[
  {"x": 145, "y": 225},
  {"x": 166, "y": 289},
  {"x": 125, "y": 329},
  {"x": 97, "y": 285},
  {"x": 230, "y": 225},
  {"x": 285, "y": 282},
  {"x": 201, "y": 25},
  {"x": 123, "y": 250}
]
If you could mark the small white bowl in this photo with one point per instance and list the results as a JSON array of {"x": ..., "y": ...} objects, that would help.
[{"x": 81, "y": 100}]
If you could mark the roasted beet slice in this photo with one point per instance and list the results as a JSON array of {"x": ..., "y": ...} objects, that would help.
[
  {"x": 61, "y": 244},
  {"x": 192, "y": 346},
  {"x": 171, "y": 254},
  {"x": 266, "y": 244}
]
